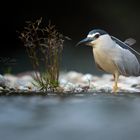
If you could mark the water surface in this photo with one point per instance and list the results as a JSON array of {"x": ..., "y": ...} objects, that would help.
[{"x": 95, "y": 117}]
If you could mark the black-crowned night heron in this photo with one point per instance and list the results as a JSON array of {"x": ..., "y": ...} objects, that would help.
[{"x": 112, "y": 55}]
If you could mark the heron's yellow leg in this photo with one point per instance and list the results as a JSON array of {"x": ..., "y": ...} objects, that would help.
[
  {"x": 115, "y": 87},
  {"x": 113, "y": 78}
]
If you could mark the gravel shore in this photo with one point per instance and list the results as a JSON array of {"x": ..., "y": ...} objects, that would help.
[{"x": 71, "y": 81}]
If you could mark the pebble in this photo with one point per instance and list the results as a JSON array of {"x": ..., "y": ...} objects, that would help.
[
  {"x": 3, "y": 82},
  {"x": 21, "y": 83}
]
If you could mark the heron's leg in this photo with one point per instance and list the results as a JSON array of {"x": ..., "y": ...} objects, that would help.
[
  {"x": 115, "y": 87},
  {"x": 113, "y": 77}
]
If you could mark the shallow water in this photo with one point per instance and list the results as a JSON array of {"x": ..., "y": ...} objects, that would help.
[{"x": 96, "y": 117}]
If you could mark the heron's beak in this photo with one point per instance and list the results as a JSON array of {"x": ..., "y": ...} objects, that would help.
[{"x": 85, "y": 41}]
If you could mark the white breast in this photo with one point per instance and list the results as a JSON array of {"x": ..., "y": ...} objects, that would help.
[
  {"x": 104, "y": 54},
  {"x": 104, "y": 60}
]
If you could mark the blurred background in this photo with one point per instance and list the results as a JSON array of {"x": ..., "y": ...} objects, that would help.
[{"x": 72, "y": 18}]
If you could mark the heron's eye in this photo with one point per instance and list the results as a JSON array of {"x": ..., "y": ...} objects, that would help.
[{"x": 96, "y": 36}]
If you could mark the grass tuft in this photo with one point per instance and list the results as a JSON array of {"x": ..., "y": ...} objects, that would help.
[{"x": 44, "y": 47}]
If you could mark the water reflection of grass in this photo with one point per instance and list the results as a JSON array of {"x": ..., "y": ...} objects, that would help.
[{"x": 44, "y": 46}]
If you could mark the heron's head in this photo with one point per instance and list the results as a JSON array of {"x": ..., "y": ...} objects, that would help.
[{"x": 95, "y": 38}]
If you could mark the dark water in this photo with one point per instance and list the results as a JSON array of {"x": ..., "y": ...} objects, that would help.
[{"x": 97, "y": 117}]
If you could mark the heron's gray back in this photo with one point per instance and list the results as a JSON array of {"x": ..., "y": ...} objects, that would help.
[{"x": 127, "y": 62}]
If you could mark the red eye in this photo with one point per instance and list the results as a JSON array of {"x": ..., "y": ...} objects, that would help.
[{"x": 96, "y": 36}]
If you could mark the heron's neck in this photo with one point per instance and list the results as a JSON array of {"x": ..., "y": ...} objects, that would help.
[{"x": 104, "y": 43}]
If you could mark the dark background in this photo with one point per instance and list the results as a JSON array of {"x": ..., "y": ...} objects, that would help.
[{"x": 72, "y": 18}]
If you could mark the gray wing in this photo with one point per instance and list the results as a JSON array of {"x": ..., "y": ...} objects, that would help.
[
  {"x": 127, "y": 62},
  {"x": 126, "y": 44},
  {"x": 120, "y": 43}
]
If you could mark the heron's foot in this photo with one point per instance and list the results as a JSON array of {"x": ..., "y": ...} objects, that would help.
[{"x": 115, "y": 88}]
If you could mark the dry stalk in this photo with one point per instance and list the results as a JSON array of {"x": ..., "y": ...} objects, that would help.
[{"x": 44, "y": 46}]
